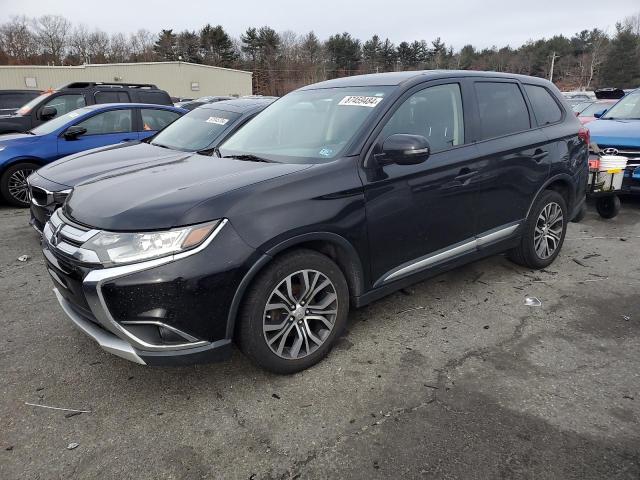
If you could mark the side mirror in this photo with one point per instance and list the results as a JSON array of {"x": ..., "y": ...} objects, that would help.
[
  {"x": 403, "y": 149},
  {"x": 600, "y": 113},
  {"x": 47, "y": 113},
  {"x": 74, "y": 132}
]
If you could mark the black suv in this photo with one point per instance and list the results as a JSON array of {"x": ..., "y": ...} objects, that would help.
[
  {"x": 76, "y": 95},
  {"x": 335, "y": 195},
  {"x": 12, "y": 100}
]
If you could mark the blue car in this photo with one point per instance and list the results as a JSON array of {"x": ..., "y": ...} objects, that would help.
[
  {"x": 617, "y": 132},
  {"x": 82, "y": 129}
]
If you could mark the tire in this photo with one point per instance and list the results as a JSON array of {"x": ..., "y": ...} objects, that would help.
[
  {"x": 609, "y": 206},
  {"x": 526, "y": 253},
  {"x": 581, "y": 213},
  {"x": 13, "y": 184},
  {"x": 258, "y": 326}
]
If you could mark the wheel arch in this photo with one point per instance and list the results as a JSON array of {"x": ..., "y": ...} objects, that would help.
[
  {"x": 336, "y": 247},
  {"x": 22, "y": 159},
  {"x": 561, "y": 183}
]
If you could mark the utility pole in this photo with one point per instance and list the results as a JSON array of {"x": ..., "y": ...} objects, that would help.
[{"x": 553, "y": 62}]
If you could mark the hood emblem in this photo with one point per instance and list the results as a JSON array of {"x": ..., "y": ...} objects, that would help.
[{"x": 610, "y": 151}]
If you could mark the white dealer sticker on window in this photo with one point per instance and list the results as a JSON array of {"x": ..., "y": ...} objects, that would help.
[
  {"x": 73, "y": 114},
  {"x": 360, "y": 101},
  {"x": 217, "y": 120}
]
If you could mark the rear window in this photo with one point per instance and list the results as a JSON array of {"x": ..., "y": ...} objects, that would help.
[
  {"x": 544, "y": 106},
  {"x": 158, "y": 98},
  {"x": 502, "y": 109},
  {"x": 112, "y": 97}
]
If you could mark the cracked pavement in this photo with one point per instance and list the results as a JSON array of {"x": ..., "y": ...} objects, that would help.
[{"x": 452, "y": 378}]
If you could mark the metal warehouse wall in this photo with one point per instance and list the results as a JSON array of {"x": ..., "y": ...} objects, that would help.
[{"x": 180, "y": 79}]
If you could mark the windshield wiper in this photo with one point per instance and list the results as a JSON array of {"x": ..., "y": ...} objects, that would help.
[
  {"x": 248, "y": 157},
  {"x": 161, "y": 145}
]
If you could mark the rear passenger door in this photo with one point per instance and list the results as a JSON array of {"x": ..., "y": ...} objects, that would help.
[
  {"x": 104, "y": 128},
  {"x": 155, "y": 119},
  {"x": 513, "y": 152}
]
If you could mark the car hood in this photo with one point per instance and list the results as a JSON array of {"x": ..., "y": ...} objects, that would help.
[
  {"x": 12, "y": 139},
  {"x": 80, "y": 167},
  {"x": 166, "y": 193},
  {"x": 620, "y": 133}
]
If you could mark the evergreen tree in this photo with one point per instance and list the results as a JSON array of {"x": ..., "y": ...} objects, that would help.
[{"x": 166, "y": 46}]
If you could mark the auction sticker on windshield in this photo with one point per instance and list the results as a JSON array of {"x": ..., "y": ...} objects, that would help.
[
  {"x": 360, "y": 101},
  {"x": 217, "y": 120}
]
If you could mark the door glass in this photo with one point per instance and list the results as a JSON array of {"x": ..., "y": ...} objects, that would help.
[
  {"x": 435, "y": 113},
  {"x": 502, "y": 109},
  {"x": 115, "y": 121},
  {"x": 112, "y": 97},
  {"x": 158, "y": 98},
  {"x": 65, "y": 103},
  {"x": 156, "y": 119}
]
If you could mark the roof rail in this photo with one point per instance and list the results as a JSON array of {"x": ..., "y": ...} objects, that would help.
[{"x": 108, "y": 84}]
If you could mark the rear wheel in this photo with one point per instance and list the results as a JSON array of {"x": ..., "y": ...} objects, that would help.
[
  {"x": 293, "y": 312},
  {"x": 543, "y": 233},
  {"x": 13, "y": 184}
]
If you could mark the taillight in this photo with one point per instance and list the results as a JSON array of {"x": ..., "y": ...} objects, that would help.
[
  {"x": 584, "y": 135},
  {"x": 594, "y": 163}
]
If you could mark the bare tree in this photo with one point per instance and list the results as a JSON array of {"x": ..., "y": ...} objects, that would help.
[
  {"x": 52, "y": 32},
  {"x": 597, "y": 54},
  {"x": 142, "y": 45},
  {"x": 119, "y": 49},
  {"x": 98, "y": 46},
  {"x": 17, "y": 40},
  {"x": 79, "y": 44}
]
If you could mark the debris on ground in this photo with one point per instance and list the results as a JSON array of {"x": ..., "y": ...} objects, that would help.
[
  {"x": 579, "y": 262},
  {"x": 23, "y": 258},
  {"x": 72, "y": 445},
  {"x": 56, "y": 408},
  {"x": 72, "y": 414},
  {"x": 626, "y": 318},
  {"x": 532, "y": 302},
  {"x": 276, "y": 396},
  {"x": 410, "y": 310}
]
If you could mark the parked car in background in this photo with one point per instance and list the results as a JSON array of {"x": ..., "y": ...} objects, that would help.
[
  {"x": 190, "y": 105},
  {"x": 55, "y": 103},
  {"x": 82, "y": 129},
  {"x": 12, "y": 100},
  {"x": 335, "y": 195},
  {"x": 199, "y": 131},
  {"x": 579, "y": 107},
  {"x": 617, "y": 132},
  {"x": 586, "y": 115}
]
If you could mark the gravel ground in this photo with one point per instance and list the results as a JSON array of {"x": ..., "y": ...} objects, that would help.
[{"x": 453, "y": 378}]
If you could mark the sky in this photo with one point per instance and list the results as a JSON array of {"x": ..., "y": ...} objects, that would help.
[{"x": 456, "y": 22}]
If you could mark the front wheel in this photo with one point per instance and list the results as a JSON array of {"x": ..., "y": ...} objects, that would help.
[
  {"x": 293, "y": 312},
  {"x": 13, "y": 184},
  {"x": 543, "y": 232}
]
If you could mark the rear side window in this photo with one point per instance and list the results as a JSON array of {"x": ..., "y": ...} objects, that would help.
[
  {"x": 112, "y": 97},
  {"x": 544, "y": 106},
  {"x": 158, "y": 98},
  {"x": 156, "y": 119},
  {"x": 502, "y": 109}
]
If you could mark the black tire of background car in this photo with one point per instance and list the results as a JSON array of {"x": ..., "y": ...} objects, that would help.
[
  {"x": 525, "y": 253},
  {"x": 249, "y": 332},
  {"x": 609, "y": 206},
  {"x": 4, "y": 183}
]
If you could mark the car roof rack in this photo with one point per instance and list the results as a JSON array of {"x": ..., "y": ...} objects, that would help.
[{"x": 108, "y": 85}]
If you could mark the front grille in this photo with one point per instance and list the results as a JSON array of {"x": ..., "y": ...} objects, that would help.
[
  {"x": 41, "y": 196},
  {"x": 66, "y": 239}
]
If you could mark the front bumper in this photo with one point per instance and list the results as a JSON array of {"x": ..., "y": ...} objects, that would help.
[{"x": 167, "y": 311}]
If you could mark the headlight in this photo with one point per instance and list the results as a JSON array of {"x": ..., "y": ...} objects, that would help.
[{"x": 119, "y": 248}]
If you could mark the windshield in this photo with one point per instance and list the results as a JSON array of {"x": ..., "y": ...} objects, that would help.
[
  {"x": 307, "y": 126},
  {"x": 579, "y": 107},
  {"x": 595, "y": 108},
  {"x": 628, "y": 108},
  {"x": 195, "y": 131},
  {"x": 54, "y": 124},
  {"x": 26, "y": 108}
]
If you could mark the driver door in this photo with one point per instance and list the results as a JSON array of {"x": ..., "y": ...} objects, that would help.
[
  {"x": 105, "y": 128},
  {"x": 415, "y": 212}
]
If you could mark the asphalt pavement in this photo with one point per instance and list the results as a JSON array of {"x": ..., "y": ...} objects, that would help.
[{"x": 455, "y": 377}]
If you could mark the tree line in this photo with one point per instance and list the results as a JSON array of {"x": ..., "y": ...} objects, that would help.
[{"x": 283, "y": 61}]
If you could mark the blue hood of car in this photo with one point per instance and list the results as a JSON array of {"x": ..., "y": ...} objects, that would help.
[
  {"x": 619, "y": 133},
  {"x": 11, "y": 139}
]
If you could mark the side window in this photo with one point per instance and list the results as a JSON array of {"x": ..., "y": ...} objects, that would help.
[
  {"x": 434, "y": 113},
  {"x": 65, "y": 103},
  {"x": 158, "y": 98},
  {"x": 544, "y": 106},
  {"x": 115, "y": 121},
  {"x": 13, "y": 100},
  {"x": 502, "y": 109},
  {"x": 156, "y": 119},
  {"x": 112, "y": 97}
]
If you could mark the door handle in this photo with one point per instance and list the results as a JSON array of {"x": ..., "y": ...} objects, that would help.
[
  {"x": 127, "y": 139},
  {"x": 465, "y": 173},
  {"x": 539, "y": 154}
]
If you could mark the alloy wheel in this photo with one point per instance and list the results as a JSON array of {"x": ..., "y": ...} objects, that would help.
[
  {"x": 17, "y": 185},
  {"x": 548, "y": 231},
  {"x": 300, "y": 314}
]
